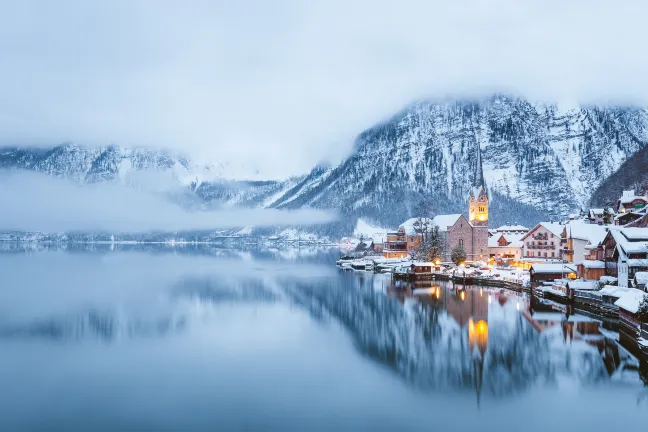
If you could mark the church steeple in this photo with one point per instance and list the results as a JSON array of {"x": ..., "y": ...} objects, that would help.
[
  {"x": 478, "y": 197},
  {"x": 478, "y": 179}
]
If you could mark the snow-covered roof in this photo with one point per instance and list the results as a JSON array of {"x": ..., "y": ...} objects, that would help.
[
  {"x": 553, "y": 227},
  {"x": 629, "y": 195},
  {"x": 514, "y": 240},
  {"x": 641, "y": 278},
  {"x": 612, "y": 291},
  {"x": 636, "y": 262},
  {"x": 608, "y": 279},
  {"x": 586, "y": 231},
  {"x": 409, "y": 224},
  {"x": 630, "y": 300},
  {"x": 628, "y": 239},
  {"x": 553, "y": 268},
  {"x": 505, "y": 228},
  {"x": 635, "y": 234},
  {"x": 445, "y": 221},
  {"x": 582, "y": 285},
  {"x": 591, "y": 264},
  {"x": 598, "y": 212}
]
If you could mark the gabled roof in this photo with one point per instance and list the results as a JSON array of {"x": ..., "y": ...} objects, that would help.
[
  {"x": 629, "y": 195},
  {"x": 552, "y": 268},
  {"x": 599, "y": 211},
  {"x": 592, "y": 264},
  {"x": 586, "y": 231},
  {"x": 553, "y": 227},
  {"x": 445, "y": 221},
  {"x": 630, "y": 240}
]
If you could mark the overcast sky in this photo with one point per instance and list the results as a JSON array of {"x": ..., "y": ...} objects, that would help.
[{"x": 284, "y": 84}]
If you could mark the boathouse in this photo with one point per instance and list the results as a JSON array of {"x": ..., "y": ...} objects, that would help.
[{"x": 550, "y": 272}]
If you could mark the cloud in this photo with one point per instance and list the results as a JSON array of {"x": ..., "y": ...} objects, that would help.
[
  {"x": 284, "y": 84},
  {"x": 33, "y": 202}
]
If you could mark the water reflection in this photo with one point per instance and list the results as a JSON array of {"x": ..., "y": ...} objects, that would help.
[{"x": 436, "y": 337}]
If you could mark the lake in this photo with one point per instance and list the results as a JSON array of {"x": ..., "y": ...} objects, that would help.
[{"x": 200, "y": 338}]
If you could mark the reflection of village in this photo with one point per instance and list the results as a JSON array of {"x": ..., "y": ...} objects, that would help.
[{"x": 473, "y": 308}]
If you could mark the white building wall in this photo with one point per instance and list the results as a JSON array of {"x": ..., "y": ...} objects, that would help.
[
  {"x": 622, "y": 273},
  {"x": 528, "y": 249}
]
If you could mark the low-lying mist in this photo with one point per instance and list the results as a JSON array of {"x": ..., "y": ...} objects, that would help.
[{"x": 35, "y": 202}]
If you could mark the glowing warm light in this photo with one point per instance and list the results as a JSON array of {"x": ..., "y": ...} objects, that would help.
[
  {"x": 478, "y": 335},
  {"x": 481, "y": 292},
  {"x": 463, "y": 295},
  {"x": 436, "y": 262},
  {"x": 438, "y": 292}
]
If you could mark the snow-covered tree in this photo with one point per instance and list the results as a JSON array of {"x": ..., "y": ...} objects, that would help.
[
  {"x": 458, "y": 255},
  {"x": 607, "y": 216},
  {"x": 431, "y": 242},
  {"x": 643, "y": 310},
  {"x": 360, "y": 247}
]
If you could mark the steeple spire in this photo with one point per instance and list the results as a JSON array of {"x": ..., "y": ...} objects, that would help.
[{"x": 478, "y": 180}]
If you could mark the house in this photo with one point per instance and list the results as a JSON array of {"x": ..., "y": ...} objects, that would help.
[
  {"x": 543, "y": 241},
  {"x": 627, "y": 218},
  {"x": 407, "y": 239},
  {"x": 457, "y": 231},
  {"x": 505, "y": 246},
  {"x": 626, "y": 253},
  {"x": 579, "y": 237},
  {"x": 590, "y": 269},
  {"x": 641, "y": 281},
  {"x": 630, "y": 201},
  {"x": 550, "y": 272},
  {"x": 599, "y": 216}
]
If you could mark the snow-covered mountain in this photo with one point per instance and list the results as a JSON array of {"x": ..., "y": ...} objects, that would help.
[
  {"x": 96, "y": 164},
  {"x": 539, "y": 161}
]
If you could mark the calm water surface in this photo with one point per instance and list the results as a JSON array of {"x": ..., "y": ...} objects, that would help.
[{"x": 214, "y": 339}]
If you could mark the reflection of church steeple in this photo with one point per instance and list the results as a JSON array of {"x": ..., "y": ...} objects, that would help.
[{"x": 478, "y": 343}]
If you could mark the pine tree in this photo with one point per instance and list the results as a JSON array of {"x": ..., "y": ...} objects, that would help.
[
  {"x": 643, "y": 310},
  {"x": 431, "y": 243},
  {"x": 607, "y": 216},
  {"x": 458, "y": 255}
]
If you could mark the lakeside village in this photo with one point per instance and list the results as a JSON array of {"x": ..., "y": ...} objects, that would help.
[{"x": 596, "y": 263}]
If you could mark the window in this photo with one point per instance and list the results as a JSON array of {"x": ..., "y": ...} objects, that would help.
[
  {"x": 552, "y": 244},
  {"x": 545, "y": 254},
  {"x": 553, "y": 254},
  {"x": 461, "y": 243}
]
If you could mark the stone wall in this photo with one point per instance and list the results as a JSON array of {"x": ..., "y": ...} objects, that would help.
[{"x": 462, "y": 230}]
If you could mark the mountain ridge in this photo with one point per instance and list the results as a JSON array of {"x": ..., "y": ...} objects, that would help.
[{"x": 540, "y": 161}]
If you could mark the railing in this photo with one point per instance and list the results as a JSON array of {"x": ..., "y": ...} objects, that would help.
[
  {"x": 394, "y": 248},
  {"x": 535, "y": 246}
]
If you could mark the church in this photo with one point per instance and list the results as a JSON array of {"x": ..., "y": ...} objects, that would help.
[{"x": 470, "y": 233}]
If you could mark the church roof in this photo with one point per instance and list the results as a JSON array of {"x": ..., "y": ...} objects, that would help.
[{"x": 445, "y": 221}]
